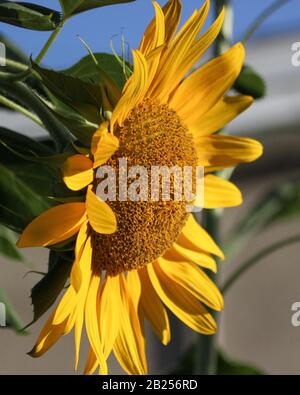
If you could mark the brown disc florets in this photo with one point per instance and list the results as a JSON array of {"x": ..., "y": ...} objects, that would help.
[{"x": 152, "y": 135}]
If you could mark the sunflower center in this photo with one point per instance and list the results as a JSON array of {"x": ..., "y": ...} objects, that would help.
[{"x": 152, "y": 135}]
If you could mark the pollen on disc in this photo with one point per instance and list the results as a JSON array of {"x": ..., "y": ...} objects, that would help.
[{"x": 152, "y": 135}]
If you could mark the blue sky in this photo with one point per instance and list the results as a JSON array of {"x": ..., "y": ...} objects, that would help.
[{"x": 98, "y": 26}]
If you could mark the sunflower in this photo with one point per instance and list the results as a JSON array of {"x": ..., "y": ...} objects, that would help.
[{"x": 135, "y": 259}]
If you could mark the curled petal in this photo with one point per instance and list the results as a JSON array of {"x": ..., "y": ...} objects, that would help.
[
  {"x": 77, "y": 172},
  {"x": 101, "y": 217},
  {"x": 104, "y": 145},
  {"x": 57, "y": 224}
]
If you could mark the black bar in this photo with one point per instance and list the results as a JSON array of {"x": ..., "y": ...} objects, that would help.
[{"x": 134, "y": 384}]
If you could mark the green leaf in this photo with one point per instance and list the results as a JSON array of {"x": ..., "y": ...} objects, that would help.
[
  {"x": 29, "y": 160},
  {"x": 250, "y": 83},
  {"x": 82, "y": 96},
  {"x": 46, "y": 291},
  {"x": 72, "y": 7},
  {"x": 36, "y": 176},
  {"x": 29, "y": 16},
  {"x": 227, "y": 366},
  {"x": 69, "y": 88},
  {"x": 21, "y": 144},
  {"x": 108, "y": 65},
  {"x": 26, "y": 96},
  {"x": 8, "y": 245},
  {"x": 77, "y": 125},
  {"x": 19, "y": 204},
  {"x": 12, "y": 318},
  {"x": 64, "y": 195},
  {"x": 54, "y": 161}
]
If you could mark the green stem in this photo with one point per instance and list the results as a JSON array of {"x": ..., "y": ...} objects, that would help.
[
  {"x": 206, "y": 347},
  {"x": 16, "y": 76},
  {"x": 262, "y": 17},
  {"x": 23, "y": 67},
  {"x": 256, "y": 258},
  {"x": 48, "y": 44},
  {"x": 16, "y": 107},
  {"x": 16, "y": 65}
]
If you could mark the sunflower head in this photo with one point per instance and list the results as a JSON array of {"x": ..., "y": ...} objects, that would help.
[
  {"x": 134, "y": 259},
  {"x": 152, "y": 135}
]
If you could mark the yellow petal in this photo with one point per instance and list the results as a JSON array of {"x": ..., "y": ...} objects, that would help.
[
  {"x": 199, "y": 48},
  {"x": 77, "y": 172},
  {"x": 194, "y": 281},
  {"x": 78, "y": 330},
  {"x": 85, "y": 266},
  {"x": 153, "y": 44},
  {"x": 129, "y": 347},
  {"x": 219, "y": 116},
  {"x": 195, "y": 238},
  {"x": 104, "y": 145},
  {"x": 227, "y": 151},
  {"x": 86, "y": 273},
  {"x": 205, "y": 87},
  {"x": 80, "y": 280},
  {"x": 134, "y": 288},
  {"x": 179, "y": 254},
  {"x": 219, "y": 193},
  {"x": 43, "y": 345},
  {"x": 182, "y": 303},
  {"x": 91, "y": 363},
  {"x": 101, "y": 217},
  {"x": 153, "y": 309},
  {"x": 49, "y": 335},
  {"x": 79, "y": 319},
  {"x": 81, "y": 263},
  {"x": 57, "y": 224},
  {"x": 109, "y": 317},
  {"x": 167, "y": 73},
  {"x": 154, "y": 36},
  {"x": 133, "y": 92},
  {"x": 91, "y": 320},
  {"x": 172, "y": 12},
  {"x": 65, "y": 306}
]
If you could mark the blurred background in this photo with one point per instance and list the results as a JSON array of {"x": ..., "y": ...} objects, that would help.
[{"x": 256, "y": 323}]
